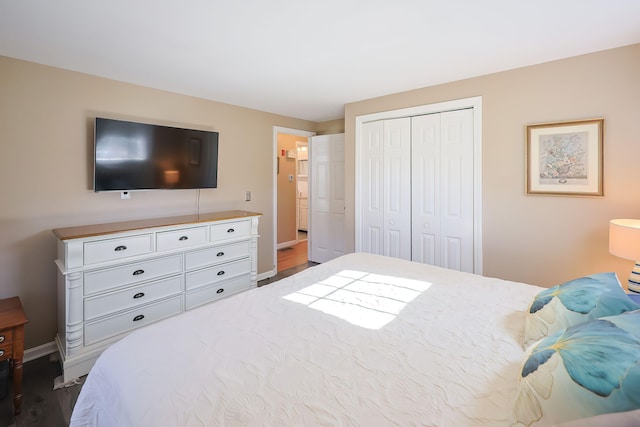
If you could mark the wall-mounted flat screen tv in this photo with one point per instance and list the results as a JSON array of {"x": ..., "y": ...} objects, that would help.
[{"x": 139, "y": 156}]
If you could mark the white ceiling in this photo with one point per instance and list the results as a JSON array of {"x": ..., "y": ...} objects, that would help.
[{"x": 304, "y": 58}]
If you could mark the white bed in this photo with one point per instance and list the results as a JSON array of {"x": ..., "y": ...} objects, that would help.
[{"x": 421, "y": 346}]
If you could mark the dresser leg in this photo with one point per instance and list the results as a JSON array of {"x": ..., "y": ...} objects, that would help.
[{"x": 17, "y": 386}]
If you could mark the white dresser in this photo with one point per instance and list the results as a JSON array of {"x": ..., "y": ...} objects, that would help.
[{"x": 114, "y": 278}]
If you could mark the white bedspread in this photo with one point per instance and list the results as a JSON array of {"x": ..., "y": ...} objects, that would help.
[{"x": 441, "y": 349}]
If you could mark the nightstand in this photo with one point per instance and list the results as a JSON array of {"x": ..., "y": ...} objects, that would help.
[{"x": 12, "y": 320}]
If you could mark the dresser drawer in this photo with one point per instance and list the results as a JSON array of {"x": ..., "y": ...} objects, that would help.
[
  {"x": 132, "y": 319},
  {"x": 112, "y": 249},
  {"x": 183, "y": 238},
  {"x": 6, "y": 336},
  {"x": 6, "y": 350},
  {"x": 134, "y": 296},
  {"x": 230, "y": 230},
  {"x": 112, "y": 278},
  {"x": 6, "y": 344},
  {"x": 209, "y": 256},
  {"x": 216, "y": 291},
  {"x": 208, "y": 276}
]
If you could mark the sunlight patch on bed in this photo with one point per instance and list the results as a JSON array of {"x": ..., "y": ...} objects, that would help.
[{"x": 363, "y": 299}]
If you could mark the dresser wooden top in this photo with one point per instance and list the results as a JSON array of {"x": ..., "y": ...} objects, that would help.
[
  {"x": 116, "y": 227},
  {"x": 11, "y": 313}
]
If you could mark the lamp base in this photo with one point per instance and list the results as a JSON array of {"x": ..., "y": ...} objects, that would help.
[{"x": 634, "y": 279}]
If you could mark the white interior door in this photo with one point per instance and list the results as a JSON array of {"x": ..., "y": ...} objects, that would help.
[
  {"x": 443, "y": 189},
  {"x": 386, "y": 185},
  {"x": 371, "y": 182},
  {"x": 397, "y": 188},
  {"x": 425, "y": 187},
  {"x": 326, "y": 197},
  {"x": 456, "y": 142},
  {"x": 445, "y": 183}
]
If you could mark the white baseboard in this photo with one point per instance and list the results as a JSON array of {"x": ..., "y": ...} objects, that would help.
[
  {"x": 287, "y": 244},
  {"x": 267, "y": 274},
  {"x": 39, "y": 351}
]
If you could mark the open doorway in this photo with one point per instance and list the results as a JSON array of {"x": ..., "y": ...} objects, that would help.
[
  {"x": 291, "y": 221},
  {"x": 302, "y": 189}
]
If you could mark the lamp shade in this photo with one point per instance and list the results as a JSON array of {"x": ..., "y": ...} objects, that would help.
[{"x": 624, "y": 238}]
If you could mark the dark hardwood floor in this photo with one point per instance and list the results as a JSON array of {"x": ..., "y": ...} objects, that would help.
[{"x": 42, "y": 406}]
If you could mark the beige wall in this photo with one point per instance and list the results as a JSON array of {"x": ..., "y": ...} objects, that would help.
[
  {"x": 46, "y": 119},
  {"x": 287, "y": 230},
  {"x": 541, "y": 239},
  {"x": 331, "y": 127},
  {"x": 45, "y": 166}
]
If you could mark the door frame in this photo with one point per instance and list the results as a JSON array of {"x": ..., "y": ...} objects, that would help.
[
  {"x": 476, "y": 104},
  {"x": 298, "y": 145},
  {"x": 274, "y": 150}
]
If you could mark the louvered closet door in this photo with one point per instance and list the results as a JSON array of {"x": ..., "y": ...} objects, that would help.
[
  {"x": 442, "y": 189},
  {"x": 386, "y": 188}
]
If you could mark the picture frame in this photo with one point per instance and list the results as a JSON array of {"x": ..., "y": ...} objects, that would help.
[{"x": 565, "y": 158}]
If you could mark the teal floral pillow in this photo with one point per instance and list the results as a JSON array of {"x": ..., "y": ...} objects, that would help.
[
  {"x": 575, "y": 302},
  {"x": 582, "y": 371}
]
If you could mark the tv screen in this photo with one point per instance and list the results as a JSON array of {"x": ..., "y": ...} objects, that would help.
[{"x": 138, "y": 156}]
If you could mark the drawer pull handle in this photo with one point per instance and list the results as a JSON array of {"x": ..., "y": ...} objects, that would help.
[
  {"x": 231, "y": 230},
  {"x": 1, "y": 353},
  {"x": 219, "y": 291},
  {"x": 138, "y": 295},
  {"x": 220, "y": 254},
  {"x": 138, "y": 317},
  {"x": 183, "y": 238},
  {"x": 1, "y": 338},
  {"x": 120, "y": 248},
  {"x": 220, "y": 273},
  {"x": 138, "y": 272}
]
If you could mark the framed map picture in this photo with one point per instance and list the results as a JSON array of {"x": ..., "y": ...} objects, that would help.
[{"x": 565, "y": 158}]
